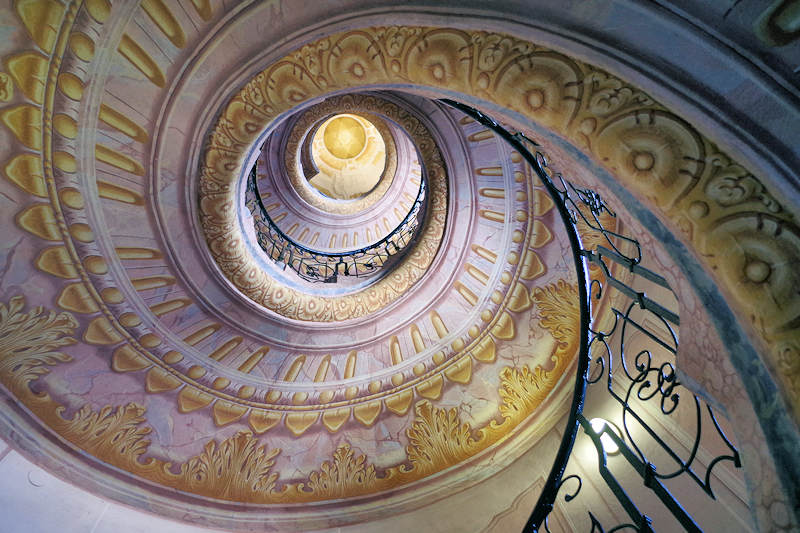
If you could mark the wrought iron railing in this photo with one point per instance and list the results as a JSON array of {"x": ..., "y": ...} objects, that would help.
[
  {"x": 326, "y": 267},
  {"x": 633, "y": 354}
]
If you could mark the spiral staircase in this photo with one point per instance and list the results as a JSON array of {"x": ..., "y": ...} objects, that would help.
[{"x": 261, "y": 272}]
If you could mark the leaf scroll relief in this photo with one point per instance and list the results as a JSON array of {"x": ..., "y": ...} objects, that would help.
[
  {"x": 29, "y": 342},
  {"x": 242, "y": 467},
  {"x": 438, "y": 437},
  {"x": 346, "y": 475},
  {"x": 560, "y": 314},
  {"x": 109, "y": 434},
  {"x": 523, "y": 390},
  {"x": 235, "y": 470}
]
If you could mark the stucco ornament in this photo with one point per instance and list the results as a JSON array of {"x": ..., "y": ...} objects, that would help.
[{"x": 740, "y": 229}]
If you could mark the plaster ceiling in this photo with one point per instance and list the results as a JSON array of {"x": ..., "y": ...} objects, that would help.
[{"x": 170, "y": 350}]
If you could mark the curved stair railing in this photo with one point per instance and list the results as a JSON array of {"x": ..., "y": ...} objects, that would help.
[
  {"x": 326, "y": 267},
  {"x": 642, "y": 381}
]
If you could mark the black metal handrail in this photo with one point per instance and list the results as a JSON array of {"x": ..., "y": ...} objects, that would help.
[
  {"x": 326, "y": 267},
  {"x": 646, "y": 375},
  {"x": 539, "y": 163}
]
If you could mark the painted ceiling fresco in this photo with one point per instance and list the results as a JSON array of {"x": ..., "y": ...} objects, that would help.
[
  {"x": 253, "y": 387},
  {"x": 142, "y": 326}
]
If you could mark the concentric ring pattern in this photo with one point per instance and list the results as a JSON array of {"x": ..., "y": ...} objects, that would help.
[
  {"x": 176, "y": 346},
  {"x": 219, "y": 357}
]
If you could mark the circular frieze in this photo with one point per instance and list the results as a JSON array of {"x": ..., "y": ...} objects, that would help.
[{"x": 228, "y": 244}]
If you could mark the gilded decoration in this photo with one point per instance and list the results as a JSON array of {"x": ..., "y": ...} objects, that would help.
[
  {"x": 235, "y": 470},
  {"x": 438, "y": 437},
  {"x": 120, "y": 436},
  {"x": 604, "y": 97},
  {"x": 113, "y": 435},
  {"x": 346, "y": 475},
  {"x": 29, "y": 342},
  {"x": 648, "y": 148},
  {"x": 195, "y": 387},
  {"x": 522, "y": 390},
  {"x": 557, "y": 304},
  {"x": 262, "y": 412},
  {"x": 240, "y": 467},
  {"x": 6, "y": 87},
  {"x": 729, "y": 216}
]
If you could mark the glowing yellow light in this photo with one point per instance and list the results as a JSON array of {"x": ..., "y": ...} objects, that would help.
[
  {"x": 344, "y": 137},
  {"x": 350, "y": 157},
  {"x": 598, "y": 424}
]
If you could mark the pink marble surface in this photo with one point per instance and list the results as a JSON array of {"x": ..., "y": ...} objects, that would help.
[{"x": 180, "y": 117}]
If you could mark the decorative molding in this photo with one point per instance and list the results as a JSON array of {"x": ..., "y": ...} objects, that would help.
[
  {"x": 29, "y": 343},
  {"x": 89, "y": 292},
  {"x": 227, "y": 244},
  {"x": 728, "y": 216},
  {"x": 345, "y": 476},
  {"x": 715, "y": 203},
  {"x": 240, "y": 468},
  {"x": 316, "y": 114}
]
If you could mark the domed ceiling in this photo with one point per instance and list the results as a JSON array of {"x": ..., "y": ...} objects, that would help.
[
  {"x": 203, "y": 364},
  {"x": 152, "y": 332}
]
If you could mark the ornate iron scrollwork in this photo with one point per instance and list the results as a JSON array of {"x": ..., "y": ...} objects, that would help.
[
  {"x": 633, "y": 354},
  {"x": 326, "y": 267}
]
